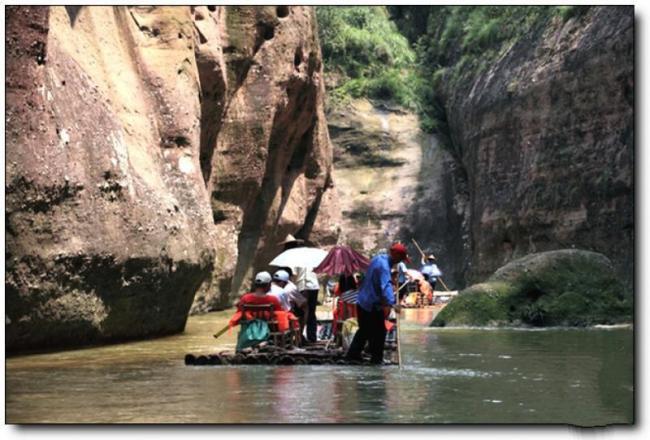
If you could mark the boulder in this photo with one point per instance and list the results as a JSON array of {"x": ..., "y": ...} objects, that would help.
[
  {"x": 556, "y": 288},
  {"x": 108, "y": 222},
  {"x": 153, "y": 153}
]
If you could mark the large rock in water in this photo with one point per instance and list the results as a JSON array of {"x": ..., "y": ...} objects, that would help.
[
  {"x": 131, "y": 132},
  {"x": 564, "y": 287}
]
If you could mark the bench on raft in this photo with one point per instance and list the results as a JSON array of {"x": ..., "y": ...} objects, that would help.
[{"x": 287, "y": 338}]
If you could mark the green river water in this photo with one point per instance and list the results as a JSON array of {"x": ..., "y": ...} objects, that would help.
[{"x": 575, "y": 376}]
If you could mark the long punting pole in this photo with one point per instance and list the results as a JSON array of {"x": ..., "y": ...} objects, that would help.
[{"x": 399, "y": 346}]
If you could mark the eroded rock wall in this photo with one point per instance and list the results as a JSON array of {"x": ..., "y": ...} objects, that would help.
[
  {"x": 265, "y": 155},
  {"x": 149, "y": 154},
  {"x": 545, "y": 138},
  {"x": 108, "y": 222},
  {"x": 378, "y": 152},
  {"x": 396, "y": 182}
]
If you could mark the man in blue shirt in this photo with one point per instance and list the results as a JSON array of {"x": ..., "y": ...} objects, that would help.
[{"x": 376, "y": 292}]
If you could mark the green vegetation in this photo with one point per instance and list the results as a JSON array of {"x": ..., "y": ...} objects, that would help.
[
  {"x": 365, "y": 55},
  {"x": 416, "y": 55},
  {"x": 462, "y": 41},
  {"x": 569, "y": 287},
  {"x": 453, "y": 44}
]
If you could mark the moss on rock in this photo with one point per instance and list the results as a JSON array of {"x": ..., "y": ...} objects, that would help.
[{"x": 556, "y": 288}]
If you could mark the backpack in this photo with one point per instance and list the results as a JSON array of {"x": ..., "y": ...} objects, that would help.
[{"x": 252, "y": 333}]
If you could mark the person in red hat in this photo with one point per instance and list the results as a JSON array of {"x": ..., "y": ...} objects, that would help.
[{"x": 375, "y": 293}]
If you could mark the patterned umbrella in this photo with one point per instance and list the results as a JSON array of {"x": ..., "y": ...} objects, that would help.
[{"x": 342, "y": 260}]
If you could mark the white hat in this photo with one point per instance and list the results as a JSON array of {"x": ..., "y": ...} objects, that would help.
[
  {"x": 281, "y": 275},
  {"x": 263, "y": 278}
]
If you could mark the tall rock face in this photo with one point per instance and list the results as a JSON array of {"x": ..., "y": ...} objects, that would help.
[
  {"x": 153, "y": 152},
  {"x": 265, "y": 150},
  {"x": 544, "y": 137},
  {"x": 378, "y": 151},
  {"x": 395, "y": 182}
]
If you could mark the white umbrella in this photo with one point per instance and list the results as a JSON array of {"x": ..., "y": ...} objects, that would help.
[{"x": 299, "y": 257}]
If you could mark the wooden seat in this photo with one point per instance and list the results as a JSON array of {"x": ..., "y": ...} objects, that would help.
[{"x": 266, "y": 312}]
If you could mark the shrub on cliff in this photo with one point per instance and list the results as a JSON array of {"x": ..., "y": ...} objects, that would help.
[
  {"x": 455, "y": 43},
  {"x": 556, "y": 288},
  {"x": 365, "y": 51}
]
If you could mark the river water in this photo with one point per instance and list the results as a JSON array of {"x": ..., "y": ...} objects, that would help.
[{"x": 575, "y": 376}]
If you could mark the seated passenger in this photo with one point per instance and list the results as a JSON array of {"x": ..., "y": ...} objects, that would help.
[
  {"x": 426, "y": 290},
  {"x": 345, "y": 284},
  {"x": 259, "y": 296},
  {"x": 278, "y": 289},
  {"x": 261, "y": 293}
]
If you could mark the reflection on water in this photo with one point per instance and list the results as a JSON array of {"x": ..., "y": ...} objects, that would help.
[{"x": 581, "y": 377}]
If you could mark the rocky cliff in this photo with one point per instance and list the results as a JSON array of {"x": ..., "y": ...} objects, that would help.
[
  {"x": 542, "y": 135},
  {"x": 377, "y": 156},
  {"x": 153, "y": 152},
  {"x": 265, "y": 151},
  {"x": 395, "y": 182}
]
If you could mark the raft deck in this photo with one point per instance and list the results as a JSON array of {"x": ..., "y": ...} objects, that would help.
[
  {"x": 316, "y": 354},
  {"x": 322, "y": 352}
]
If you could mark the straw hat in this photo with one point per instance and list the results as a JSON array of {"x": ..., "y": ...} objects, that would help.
[{"x": 291, "y": 239}]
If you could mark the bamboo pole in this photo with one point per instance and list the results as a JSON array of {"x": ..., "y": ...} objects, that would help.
[
  {"x": 221, "y": 332},
  {"x": 399, "y": 345}
]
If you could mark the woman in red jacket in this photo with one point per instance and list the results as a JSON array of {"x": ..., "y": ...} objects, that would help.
[{"x": 260, "y": 295}]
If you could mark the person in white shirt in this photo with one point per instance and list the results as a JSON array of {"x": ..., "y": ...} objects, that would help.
[
  {"x": 308, "y": 285},
  {"x": 298, "y": 301},
  {"x": 280, "y": 279},
  {"x": 430, "y": 270}
]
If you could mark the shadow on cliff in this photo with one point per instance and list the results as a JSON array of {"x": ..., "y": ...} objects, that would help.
[
  {"x": 73, "y": 11},
  {"x": 288, "y": 148}
]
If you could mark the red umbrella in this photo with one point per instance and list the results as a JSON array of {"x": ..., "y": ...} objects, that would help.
[{"x": 342, "y": 260}]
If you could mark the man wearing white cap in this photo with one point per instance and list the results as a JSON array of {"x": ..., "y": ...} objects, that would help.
[{"x": 280, "y": 280}]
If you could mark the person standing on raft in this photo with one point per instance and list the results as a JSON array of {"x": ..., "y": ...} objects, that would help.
[
  {"x": 308, "y": 286},
  {"x": 430, "y": 270},
  {"x": 375, "y": 293}
]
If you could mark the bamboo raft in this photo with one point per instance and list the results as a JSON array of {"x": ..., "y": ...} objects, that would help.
[
  {"x": 440, "y": 298},
  {"x": 322, "y": 352},
  {"x": 279, "y": 356}
]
